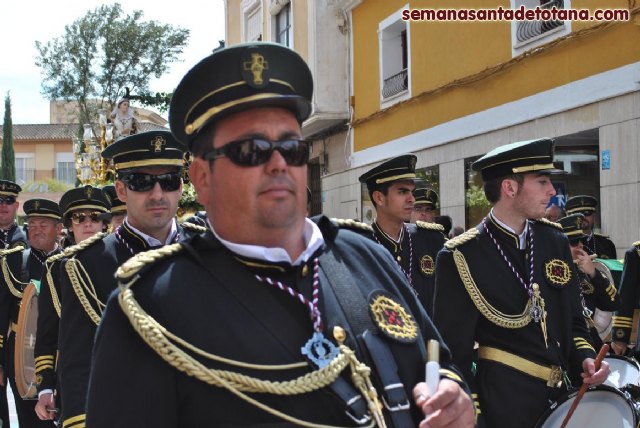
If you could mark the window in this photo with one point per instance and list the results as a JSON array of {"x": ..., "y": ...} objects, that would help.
[
  {"x": 25, "y": 168},
  {"x": 65, "y": 168},
  {"x": 315, "y": 185},
  {"x": 283, "y": 26},
  {"x": 253, "y": 23},
  {"x": 394, "y": 51},
  {"x": 529, "y": 34},
  {"x": 476, "y": 205}
]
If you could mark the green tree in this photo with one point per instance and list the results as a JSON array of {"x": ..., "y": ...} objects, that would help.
[
  {"x": 8, "y": 159},
  {"x": 104, "y": 52}
]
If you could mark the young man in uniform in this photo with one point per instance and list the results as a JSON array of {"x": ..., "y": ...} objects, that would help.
[
  {"x": 84, "y": 211},
  {"x": 413, "y": 246},
  {"x": 148, "y": 179},
  {"x": 25, "y": 266},
  {"x": 509, "y": 284},
  {"x": 595, "y": 243},
  {"x": 266, "y": 293}
]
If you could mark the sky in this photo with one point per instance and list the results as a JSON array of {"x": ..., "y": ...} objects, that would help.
[{"x": 21, "y": 26}]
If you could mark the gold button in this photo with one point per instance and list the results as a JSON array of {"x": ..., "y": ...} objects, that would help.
[
  {"x": 305, "y": 270},
  {"x": 399, "y": 258}
]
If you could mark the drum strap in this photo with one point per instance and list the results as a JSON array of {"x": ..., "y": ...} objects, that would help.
[
  {"x": 355, "y": 309},
  {"x": 24, "y": 272}
]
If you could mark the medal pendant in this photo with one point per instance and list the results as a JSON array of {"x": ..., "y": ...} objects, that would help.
[{"x": 319, "y": 350}]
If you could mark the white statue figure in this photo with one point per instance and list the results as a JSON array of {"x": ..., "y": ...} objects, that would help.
[{"x": 123, "y": 120}]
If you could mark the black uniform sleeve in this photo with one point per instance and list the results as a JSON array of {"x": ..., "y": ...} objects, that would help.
[
  {"x": 605, "y": 293},
  {"x": 6, "y": 302},
  {"x": 148, "y": 398},
  {"x": 76, "y": 336},
  {"x": 629, "y": 285},
  {"x": 455, "y": 316},
  {"x": 46, "y": 346}
]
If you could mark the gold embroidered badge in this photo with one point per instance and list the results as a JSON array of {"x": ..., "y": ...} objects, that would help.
[
  {"x": 392, "y": 319},
  {"x": 557, "y": 272},
  {"x": 427, "y": 266},
  {"x": 157, "y": 143},
  {"x": 257, "y": 65}
]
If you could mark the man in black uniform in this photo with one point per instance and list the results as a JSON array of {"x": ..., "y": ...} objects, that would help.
[
  {"x": 148, "y": 179},
  {"x": 10, "y": 234},
  {"x": 629, "y": 293},
  {"x": 413, "y": 246},
  {"x": 595, "y": 243},
  {"x": 19, "y": 268},
  {"x": 424, "y": 207},
  {"x": 597, "y": 292},
  {"x": 266, "y": 293},
  {"x": 83, "y": 212},
  {"x": 509, "y": 284}
]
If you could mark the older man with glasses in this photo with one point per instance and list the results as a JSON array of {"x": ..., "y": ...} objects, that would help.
[
  {"x": 148, "y": 179},
  {"x": 20, "y": 267}
]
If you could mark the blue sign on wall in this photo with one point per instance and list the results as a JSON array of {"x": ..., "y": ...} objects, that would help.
[
  {"x": 605, "y": 159},
  {"x": 560, "y": 198}
]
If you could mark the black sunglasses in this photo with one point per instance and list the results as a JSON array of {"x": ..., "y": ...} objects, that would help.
[
  {"x": 79, "y": 218},
  {"x": 7, "y": 200},
  {"x": 256, "y": 151},
  {"x": 141, "y": 182}
]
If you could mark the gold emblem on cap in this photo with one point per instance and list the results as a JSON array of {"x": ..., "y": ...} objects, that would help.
[
  {"x": 36, "y": 205},
  {"x": 257, "y": 65},
  {"x": 157, "y": 143},
  {"x": 4, "y": 186},
  {"x": 557, "y": 271},
  {"x": 579, "y": 222},
  {"x": 427, "y": 266},
  {"x": 88, "y": 191}
]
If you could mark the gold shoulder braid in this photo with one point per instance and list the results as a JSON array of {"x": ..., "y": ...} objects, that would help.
[
  {"x": 549, "y": 223},
  {"x": 430, "y": 226},
  {"x": 173, "y": 350},
  {"x": 492, "y": 314},
  {"x": 467, "y": 236},
  {"x": 351, "y": 224},
  {"x": 77, "y": 274},
  {"x": 193, "y": 227},
  {"x": 9, "y": 279}
]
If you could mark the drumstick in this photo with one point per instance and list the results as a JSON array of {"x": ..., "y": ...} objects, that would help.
[{"x": 585, "y": 386}]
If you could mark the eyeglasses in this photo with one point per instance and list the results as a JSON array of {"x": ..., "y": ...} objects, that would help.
[
  {"x": 141, "y": 182},
  {"x": 79, "y": 218},
  {"x": 256, "y": 151},
  {"x": 422, "y": 209},
  {"x": 7, "y": 200}
]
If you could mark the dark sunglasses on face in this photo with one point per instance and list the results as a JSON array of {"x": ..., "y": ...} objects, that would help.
[
  {"x": 79, "y": 218},
  {"x": 141, "y": 182},
  {"x": 256, "y": 151},
  {"x": 7, "y": 200}
]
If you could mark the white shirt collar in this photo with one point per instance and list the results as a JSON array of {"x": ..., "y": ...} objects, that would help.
[
  {"x": 522, "y": 238},
  {"x": 153, "y": 242},
  {"x": 312, "y": 237}
]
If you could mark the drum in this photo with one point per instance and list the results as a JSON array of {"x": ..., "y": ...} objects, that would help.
[
  {"x": 603, "y": 319},
  {"x": 624, "y": 371},
  {"x": 602, "y": 406},
  {"x": 25, "y": 365}
]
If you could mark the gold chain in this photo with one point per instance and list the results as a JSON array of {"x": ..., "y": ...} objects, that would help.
[
  {"x": 73, "y": 267},
  {"x": 492, "y": 314},
  {"x": 9, "y": 279}
]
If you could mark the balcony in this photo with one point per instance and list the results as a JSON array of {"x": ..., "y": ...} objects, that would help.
[
  {"x": 530, "y": 30},
  {"x": 395, "y": 84}
]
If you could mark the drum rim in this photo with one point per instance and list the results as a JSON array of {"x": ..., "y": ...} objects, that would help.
[
  {"x": 572, "y": 393},
  {"x": 25, "y": 387}
]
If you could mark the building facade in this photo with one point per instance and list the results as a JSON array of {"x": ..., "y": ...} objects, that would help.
[{"x": 449, "y": 91}]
